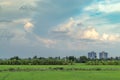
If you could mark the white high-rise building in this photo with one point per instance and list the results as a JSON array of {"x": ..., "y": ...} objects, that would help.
[
  {"x": 103, "y": 55},
  {"x": 92, "y": 55}
]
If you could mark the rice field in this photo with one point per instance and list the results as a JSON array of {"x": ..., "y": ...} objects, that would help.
[{"x": 68, "y": 72}]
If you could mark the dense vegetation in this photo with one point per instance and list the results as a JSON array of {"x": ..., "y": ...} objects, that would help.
[
  {"x": 103, "y": 62},
  {"x": 68, "y": 60},
  {"x": 35, "y": 61},
  {"x": 42, "y": 60}
]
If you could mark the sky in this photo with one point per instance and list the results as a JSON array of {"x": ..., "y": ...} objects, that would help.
[{"x": 59, "y": 27}]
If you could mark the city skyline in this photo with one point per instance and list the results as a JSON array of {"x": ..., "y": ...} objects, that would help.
[
  {"x": 59, "y": 27},
  {"x": 100, "y": 55}
]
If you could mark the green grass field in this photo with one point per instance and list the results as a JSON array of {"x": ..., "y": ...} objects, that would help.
[
  {"x": 59, "y": 74},
  {"x": 65, "y": 66}
]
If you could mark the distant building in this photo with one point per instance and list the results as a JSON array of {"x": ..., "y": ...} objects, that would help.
[
  {"x": 103, "y": 55},
  {"x": 92, "y": 55}
]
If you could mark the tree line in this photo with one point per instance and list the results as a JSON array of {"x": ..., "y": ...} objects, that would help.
[
  {"x": 108, "y": 61},
  {"x": 68, "y": 60}
]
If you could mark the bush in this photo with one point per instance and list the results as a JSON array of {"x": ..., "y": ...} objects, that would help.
[{"x": 103, "y": 62}]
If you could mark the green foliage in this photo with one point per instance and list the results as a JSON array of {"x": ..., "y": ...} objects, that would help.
[
  {"x": 35, "y": 61},
  {"x": 83, "y": 59},
  {"x": 103, "y": 62}
]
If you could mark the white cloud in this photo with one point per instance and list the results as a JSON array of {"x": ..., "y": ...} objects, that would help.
[
  {"x": 20, "y": 31},
  {"x": 104, "y": 6},
  {"x": 17, "y": 2},
  {"x": 109, "y": 8},
  {"x": 49, "y": 43},
  {"x": 15, "y": 9},
  {"x": 28, "y": 26},
  {"x": 67, "y": 26},
  {"x": 90, "y": 33},
  {"x": 109, "y": 37},
  {"x": 76, "y": 31}
]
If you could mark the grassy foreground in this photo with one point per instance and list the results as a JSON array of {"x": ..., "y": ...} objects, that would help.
[{"x": 60, "y": 74}]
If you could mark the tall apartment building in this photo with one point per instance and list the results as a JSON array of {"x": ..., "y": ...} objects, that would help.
[
  {"x": 92, "y": 55},
  {"x": 103, "y": 55}
]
